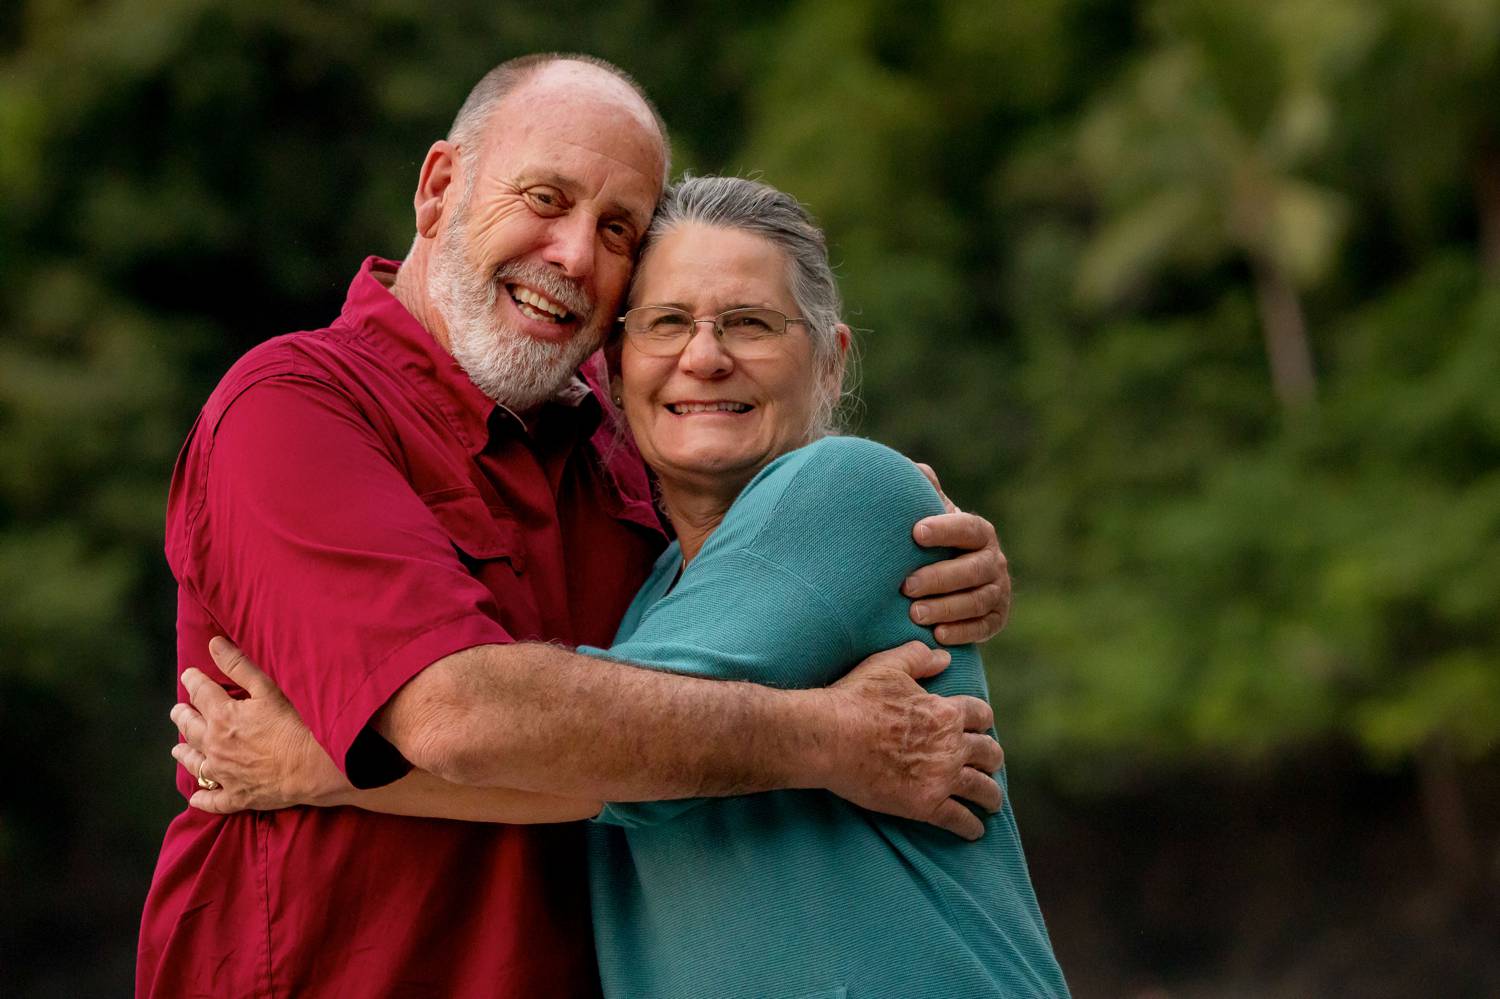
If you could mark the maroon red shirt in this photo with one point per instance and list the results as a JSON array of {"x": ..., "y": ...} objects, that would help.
[{"x": 350, "y": 508}]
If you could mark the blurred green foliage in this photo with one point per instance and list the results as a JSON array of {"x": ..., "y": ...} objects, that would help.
[{"x": 1198, "y": 299}]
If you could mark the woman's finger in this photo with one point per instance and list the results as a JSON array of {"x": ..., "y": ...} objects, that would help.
[
  {"x": 190, "y": 724},
  {"x": 205, "y": 694},
  {"x": 237, "y": 666},
  {"x": 222, "y": 801},
  {"x": 189, "y": 759}
]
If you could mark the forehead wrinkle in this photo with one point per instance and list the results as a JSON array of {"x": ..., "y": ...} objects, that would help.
[{"x": 649, "y": 177}]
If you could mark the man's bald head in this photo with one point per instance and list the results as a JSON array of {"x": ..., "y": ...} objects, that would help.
[{"x": 474, "y": 116}]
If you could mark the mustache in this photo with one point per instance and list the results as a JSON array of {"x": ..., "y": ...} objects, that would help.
[{"x": 563, "y": 290}]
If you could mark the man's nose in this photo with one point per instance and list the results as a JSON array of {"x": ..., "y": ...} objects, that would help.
[
  {"x": 572, "y": 244},
  {"x": 704, "y": 355}
]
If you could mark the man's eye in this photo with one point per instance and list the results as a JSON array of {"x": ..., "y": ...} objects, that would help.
[
  {"x": 545, "y": 200},
  {"x": 619, "y": 235}
]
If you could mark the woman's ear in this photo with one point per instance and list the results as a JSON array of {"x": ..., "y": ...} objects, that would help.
[
  {"x": 612, "y": 366},
  {"x": 842, "y": 339}
]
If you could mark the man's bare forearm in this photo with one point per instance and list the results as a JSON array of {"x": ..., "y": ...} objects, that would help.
[
  {"x": 543, "y": 718},
  {"x": 420, "y": 793}
]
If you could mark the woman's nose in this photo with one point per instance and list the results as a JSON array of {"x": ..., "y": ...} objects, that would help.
[{"x": 704, "y": 355}]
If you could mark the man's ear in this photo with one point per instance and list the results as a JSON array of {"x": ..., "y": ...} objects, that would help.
[{"x": 435, "y": 184}]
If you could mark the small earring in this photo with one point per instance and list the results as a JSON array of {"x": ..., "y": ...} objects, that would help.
[{"x": 618, "y": 403}]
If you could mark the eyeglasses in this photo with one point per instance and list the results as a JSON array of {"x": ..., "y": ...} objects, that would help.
[{"x": 662, "y": 331}]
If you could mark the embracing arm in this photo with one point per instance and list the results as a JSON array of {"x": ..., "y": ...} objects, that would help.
[
  {"x": 497, "y": 713},
  {"x": 875, "y": 738},
  {"x": 542, "y": 717}
]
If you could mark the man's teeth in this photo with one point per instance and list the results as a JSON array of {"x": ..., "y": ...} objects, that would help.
[
  {"x": 534, "y": 306},
  {"x": 709, "y": 407}
]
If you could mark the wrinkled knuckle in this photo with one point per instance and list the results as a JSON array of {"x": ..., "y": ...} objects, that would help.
[{"x": 998, "y": 564}]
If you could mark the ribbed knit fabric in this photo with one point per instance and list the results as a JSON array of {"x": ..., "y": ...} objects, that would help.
[{"x": 798, "y": 893}]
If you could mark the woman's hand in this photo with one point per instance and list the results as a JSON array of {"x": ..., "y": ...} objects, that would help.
[
  {"x": 257, "y": 750},
  {"x": 968, "y": 597}
]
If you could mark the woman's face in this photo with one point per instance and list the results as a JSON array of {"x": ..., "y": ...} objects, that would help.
[{"x": 667, "y": 400}]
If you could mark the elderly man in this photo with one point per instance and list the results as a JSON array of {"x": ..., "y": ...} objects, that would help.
[{"x": 395, "y": 513}]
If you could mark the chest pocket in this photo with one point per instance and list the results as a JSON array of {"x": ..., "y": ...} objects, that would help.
[{"x": 473, "y": 530}]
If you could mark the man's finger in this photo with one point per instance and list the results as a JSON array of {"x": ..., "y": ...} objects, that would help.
[
  {"x": 965, "y": 572},
  {"x": 189, "y": 723},
  {"x": 918, "y": 660},
  {"x": 979, "y": 788},
  {"x": 972, "y": 632},
  {"x": 205, "y": 694},
  {"x": 931, "y": 476},
  {"x": 983, "y": 753},
  {"x": 234, "y": 664},
  {"x": 965, "y": 531},
  {"x": 954, "y": 817},
  {"x": 954, "y": 608},
  {"x": 978, "y": 715}
]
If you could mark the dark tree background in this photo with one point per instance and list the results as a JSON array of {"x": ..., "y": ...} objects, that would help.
[{"x": 1199, "y": 300}]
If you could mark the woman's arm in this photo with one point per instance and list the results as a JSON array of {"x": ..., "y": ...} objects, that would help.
[{"x": 274, "y": 762}]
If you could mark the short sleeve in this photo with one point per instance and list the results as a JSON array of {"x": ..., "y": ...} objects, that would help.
[
  {"x": 305, "y": 541},
  {"x": 800, "y": 595}
]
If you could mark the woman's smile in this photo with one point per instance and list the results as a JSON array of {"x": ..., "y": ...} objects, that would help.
[{"x": 709, "y": 407}]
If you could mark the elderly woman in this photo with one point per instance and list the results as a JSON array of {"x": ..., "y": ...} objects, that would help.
[{"x": 790, "y": 547}]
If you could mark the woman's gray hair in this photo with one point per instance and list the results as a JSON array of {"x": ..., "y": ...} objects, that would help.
[{"x": 759, "y": 209}]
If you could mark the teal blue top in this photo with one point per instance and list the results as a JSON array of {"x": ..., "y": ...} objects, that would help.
[{"x": 798, "y": 893}]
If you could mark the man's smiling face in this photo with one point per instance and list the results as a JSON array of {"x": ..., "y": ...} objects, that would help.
[{"x": 539, "y": 236}]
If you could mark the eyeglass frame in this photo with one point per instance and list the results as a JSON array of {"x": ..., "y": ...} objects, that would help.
[{"x": 718, "y": 324}]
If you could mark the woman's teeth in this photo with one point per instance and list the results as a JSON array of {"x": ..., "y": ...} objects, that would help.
[
  {"x": 534, "y": 306},
  {"x": 708, "y": 407}
]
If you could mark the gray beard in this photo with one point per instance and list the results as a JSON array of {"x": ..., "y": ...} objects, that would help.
[{"x": 510, "y": 367}]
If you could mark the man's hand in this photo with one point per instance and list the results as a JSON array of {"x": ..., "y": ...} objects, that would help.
[
  {"x": 906, "y": 752},
  {"x": 257, "y": 749},
  {"x": 969, "y": 596}
]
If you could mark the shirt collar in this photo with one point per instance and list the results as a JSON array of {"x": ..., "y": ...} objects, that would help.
[{"x": 431, "y": 372}]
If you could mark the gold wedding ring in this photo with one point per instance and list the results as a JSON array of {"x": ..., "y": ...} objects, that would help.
[{"x": 207, "y": 783}]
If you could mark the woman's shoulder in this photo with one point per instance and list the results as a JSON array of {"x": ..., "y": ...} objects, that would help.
[
  {"x": 843, "y": 466},
  {"x": 838, "y": 487}
]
